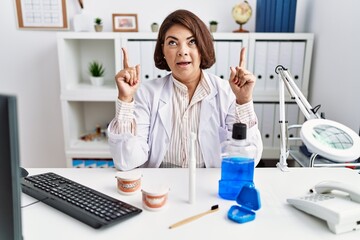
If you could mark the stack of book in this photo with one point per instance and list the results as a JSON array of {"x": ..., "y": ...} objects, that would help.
[{"x": 275, "y": 15}]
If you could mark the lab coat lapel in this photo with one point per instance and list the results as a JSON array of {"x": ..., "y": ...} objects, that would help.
[
  {"x": 165, "y": 111},
  {"x": 208, "y": 130},
  {"x": 208, "y": 105}
]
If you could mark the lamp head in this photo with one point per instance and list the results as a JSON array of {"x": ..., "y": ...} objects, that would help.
[{"x": 331, "y": 140}]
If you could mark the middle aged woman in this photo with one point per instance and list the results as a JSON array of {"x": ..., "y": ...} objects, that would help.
[{"x": 154, "y": 118}]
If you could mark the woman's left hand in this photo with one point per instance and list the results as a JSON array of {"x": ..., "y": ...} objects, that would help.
[{"x": 242, "y": 82}]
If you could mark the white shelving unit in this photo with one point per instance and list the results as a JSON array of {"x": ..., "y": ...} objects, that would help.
[{"x": 85, "y": 106}]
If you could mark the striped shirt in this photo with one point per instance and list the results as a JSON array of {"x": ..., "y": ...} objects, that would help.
[{"x": 186, "y": 118}]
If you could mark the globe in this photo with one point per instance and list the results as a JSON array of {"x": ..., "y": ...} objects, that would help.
[{"x": 241, "y": 13}]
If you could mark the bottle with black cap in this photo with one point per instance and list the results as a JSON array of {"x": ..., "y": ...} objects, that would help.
[{"x": 237, "y": 166}]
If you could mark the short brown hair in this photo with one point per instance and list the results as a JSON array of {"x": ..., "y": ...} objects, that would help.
[{"x": 202, "y": 35}]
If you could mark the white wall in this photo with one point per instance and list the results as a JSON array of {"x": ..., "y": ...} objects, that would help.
[
  {"x": 335, "y": 81},
  {"x": 29, "y": 65}
]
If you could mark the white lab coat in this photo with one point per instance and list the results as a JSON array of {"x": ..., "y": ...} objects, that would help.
[{"x": 153, "y": 113}]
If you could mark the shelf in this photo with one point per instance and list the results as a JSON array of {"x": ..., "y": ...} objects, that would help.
[
  {"x": 88, "y": 92},
  {"x": 81, "y": 118},
  {"x": 76, "y": 54},
  {"x": 87, "y": 35},
  {"x": 81, "y": 145},
  {"x": 304, "y": 160}
]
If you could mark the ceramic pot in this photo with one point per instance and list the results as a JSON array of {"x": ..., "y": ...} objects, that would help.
[
  {"x": 154, "y": 27},
  {"x": 213, "y": 28},
  {"x": 97, "y": 81},
  {"x": 98, "y": 28}
]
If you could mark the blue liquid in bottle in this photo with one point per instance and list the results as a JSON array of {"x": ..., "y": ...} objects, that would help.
[{"x": 237, "y": 166}]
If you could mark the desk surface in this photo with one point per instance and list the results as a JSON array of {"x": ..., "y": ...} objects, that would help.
[{"x": 275, "y": 220}]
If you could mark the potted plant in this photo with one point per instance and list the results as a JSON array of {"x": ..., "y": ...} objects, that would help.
[
  {"x": 154, "y": 27},
  {"x": 213, "y": 26},
  {"x": 98, "y": 24},
  {"x": 97, "y": 71}
]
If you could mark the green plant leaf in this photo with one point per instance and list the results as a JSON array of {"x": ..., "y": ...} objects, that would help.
[
  {"x": 96, "y": 69},
  {"x": 98, "y": 21}
]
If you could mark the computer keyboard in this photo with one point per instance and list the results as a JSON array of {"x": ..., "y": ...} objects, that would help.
[{"x": 83, "y": 203}]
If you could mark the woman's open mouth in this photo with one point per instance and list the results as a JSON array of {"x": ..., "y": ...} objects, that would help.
[{"x": 183, "y": 63}]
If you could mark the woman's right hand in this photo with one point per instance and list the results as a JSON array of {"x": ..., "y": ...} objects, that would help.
[{"x": 127, "y": 80}]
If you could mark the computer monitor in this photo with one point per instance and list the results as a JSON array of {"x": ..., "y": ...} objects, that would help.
[{"x": 10, "y": 210}]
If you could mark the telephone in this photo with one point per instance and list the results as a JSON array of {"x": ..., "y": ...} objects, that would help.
[{"x": 337, "y": 203}]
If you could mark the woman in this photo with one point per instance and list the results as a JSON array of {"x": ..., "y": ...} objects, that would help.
[{"x": 153, "y": 121}]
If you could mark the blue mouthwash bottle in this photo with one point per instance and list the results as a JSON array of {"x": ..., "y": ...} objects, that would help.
[{"x": 237, "y": 166}]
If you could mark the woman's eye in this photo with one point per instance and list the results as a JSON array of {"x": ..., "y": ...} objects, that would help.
[
  {"x": 172, "y": 43},
  {"x": 192, "y": 42}
]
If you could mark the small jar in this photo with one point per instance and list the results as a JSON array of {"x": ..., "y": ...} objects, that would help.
[
  {"x": 128, "y": 182},
  {"x": 154, "y": 198}
]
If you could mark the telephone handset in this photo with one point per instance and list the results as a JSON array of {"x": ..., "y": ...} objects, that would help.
[
  {"x": 337, "y": 203},
  {"x": 328, "y": 186}
]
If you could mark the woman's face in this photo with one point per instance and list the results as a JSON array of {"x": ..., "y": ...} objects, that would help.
[{"x": 181, "y": 54}]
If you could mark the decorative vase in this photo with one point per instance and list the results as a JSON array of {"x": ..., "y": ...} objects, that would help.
[
  {"x": 83, "y": 22},
  {"x": 97, "y": 81}
]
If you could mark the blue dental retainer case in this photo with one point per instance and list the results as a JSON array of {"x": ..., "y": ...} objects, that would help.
[{"x": 249, "y": 201}]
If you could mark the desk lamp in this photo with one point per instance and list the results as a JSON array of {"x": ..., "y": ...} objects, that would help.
[{"x": 327, "y": 138}]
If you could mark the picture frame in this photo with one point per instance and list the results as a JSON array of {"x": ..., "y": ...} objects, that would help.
[
  {"x": 125, "y": 22},
  {"x": 42, "y": 14}
]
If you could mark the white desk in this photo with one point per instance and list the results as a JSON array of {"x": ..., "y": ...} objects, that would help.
[{"x": 275, "y": 220}]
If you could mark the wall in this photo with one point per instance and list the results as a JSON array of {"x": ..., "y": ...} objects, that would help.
[
  {"x": 29, "y": 65},
  {"x": 335, "y": 82}
]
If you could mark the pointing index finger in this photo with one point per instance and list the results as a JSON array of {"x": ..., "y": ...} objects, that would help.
[
  {"x": 125, "y": 60},
  {"x": 242, "y": 57}
]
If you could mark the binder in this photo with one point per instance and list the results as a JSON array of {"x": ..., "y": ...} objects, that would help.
[
  {"x": 285, "y": 53},
  {"x": 260, "y": 15},
  {"x": 285, "y": 16},
  {"x": 101, "y": 163},
  {"x": 147, "y": 62},
  {"x": 158, "y": 73},
  {"x": 111, "y": 164},
  {"x": 258, "y": 108},
  {"x": 272, "y": 15},
  {"x": 292, "y": 115},
  {"x": 267, "y": 128},
  {"x": 276, "y": 135},
  {"x": 260, "y": 65},
  {"x": 271, "y": 80},
  {"x": 268, "y": 16},
  {"x": 292, "y": 15},
  {"x": 78, "y": 163},
  {"x": 285, "y": 56},
  {"x": 234, "y": 53},
  {"x": 297, "y": 65},
  {"x": 222, "y": 59},
  {"x": 133, "y": 49},
  {"x": 278, "y": 15},
  {"x": 89, "y": 163}
]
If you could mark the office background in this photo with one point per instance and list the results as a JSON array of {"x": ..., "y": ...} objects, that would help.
[{"x": 29, "y": 62}]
